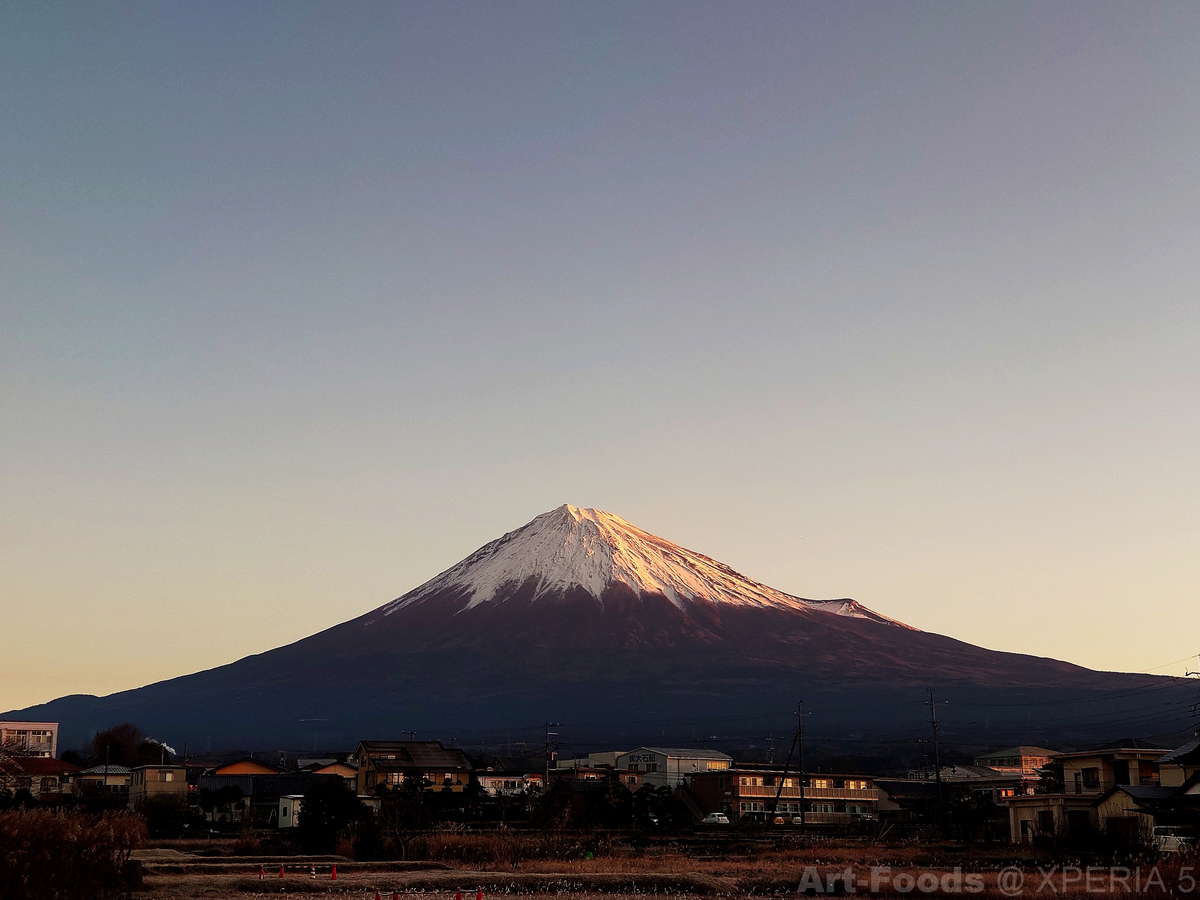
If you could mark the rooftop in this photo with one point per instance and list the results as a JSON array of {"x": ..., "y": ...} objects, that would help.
[
  {"x": 685, "y": 753},
  {"x": 106, "y": 770},
  {"x": 1023, "y": 750}
]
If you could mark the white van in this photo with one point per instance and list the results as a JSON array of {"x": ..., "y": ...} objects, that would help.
[{"x": 1173, "y": 839}]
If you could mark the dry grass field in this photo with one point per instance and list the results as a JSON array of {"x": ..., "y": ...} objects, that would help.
[{"x": 895, "y": 872}]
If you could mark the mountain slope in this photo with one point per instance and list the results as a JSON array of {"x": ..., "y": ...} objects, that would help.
[{"x": 582, "y": 617}]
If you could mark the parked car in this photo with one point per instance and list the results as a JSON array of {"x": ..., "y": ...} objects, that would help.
[
  {"x": 1173, "y": 839},
  {"x": 716, "y": 819}
]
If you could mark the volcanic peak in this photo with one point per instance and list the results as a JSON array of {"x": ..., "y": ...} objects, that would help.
[{"x": 571, "y": 548}]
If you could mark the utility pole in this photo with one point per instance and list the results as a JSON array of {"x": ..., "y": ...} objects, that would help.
[
  {"x": 800, "y": 742},
  {"x": 549, "y": 734},
  {"x": 937, "y": 759},
  {"x": 1195, "y": 706},
  {"x": 797, "y": 742}
]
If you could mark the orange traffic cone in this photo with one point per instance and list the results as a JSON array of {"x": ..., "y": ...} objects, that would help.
[
  {"x": 334, "y": 878},
  {"x": 458, "y": 896},
  {"x": 479, "y": 894},
  {"x": 395, "y": 894},
  {"x": 262, "y": 873},
  {"x": 377, "y": 897},
  {"x": 281, "y": 871}
]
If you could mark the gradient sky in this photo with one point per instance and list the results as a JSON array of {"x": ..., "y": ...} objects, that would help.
[{"x": 302, "y": 303}]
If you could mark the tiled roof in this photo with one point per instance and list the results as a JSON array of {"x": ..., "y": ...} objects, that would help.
[
  {"x": 105, "y": 770},
  {"x": 426, "y": 755},
  {"x": 1187, "y": 751},
  {"x": 40, "y": 765},
  {"x": 1147, "y": 791}
]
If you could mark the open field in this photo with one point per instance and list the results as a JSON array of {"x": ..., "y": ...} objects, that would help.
[{"x": 742, "y": 870}]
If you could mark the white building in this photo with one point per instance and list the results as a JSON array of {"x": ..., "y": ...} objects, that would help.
[
  {"x": 671, "y": 766},
  {"x": 30, "y": 738}
]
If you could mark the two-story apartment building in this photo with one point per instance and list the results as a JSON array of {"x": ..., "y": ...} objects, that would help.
[
  {"x": 395, "y": 763},
  {"x": 748, "y": 793},
  {"x": 671, "y": 766}
]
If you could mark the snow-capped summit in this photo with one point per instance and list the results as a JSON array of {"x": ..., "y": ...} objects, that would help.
[{"x": 571, "y": 549}]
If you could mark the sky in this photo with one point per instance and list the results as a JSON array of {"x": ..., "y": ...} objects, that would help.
[{"x": 302, "y": 303}]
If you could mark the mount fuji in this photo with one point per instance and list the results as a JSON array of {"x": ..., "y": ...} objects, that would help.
[{"x": 583, "y": 618}]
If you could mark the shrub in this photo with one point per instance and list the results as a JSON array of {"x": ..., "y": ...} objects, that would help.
[{"x": 56, "y": 856}]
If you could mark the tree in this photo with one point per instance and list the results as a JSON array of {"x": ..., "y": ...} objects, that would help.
[
  {"x": 1050, "y": 778},
  {"x": 126, "y": 745},
  {"x": 330, "y": 811},
  {"x": 165, "y": 815}
]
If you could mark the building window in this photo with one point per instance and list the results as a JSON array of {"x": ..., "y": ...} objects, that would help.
[
  {"x": 717, "y": 764},
  {"x": 1091, "y": 778},
  {"x": 821, "y": 783}
]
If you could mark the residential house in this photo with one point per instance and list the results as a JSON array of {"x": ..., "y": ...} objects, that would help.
[
  {"x": 1040, "y": 815},
  {"x": 255, "y": 797},
  {"x": 247, "y": 765},
  {"x": 395, "y": 763},
  {"x": 508, "y": 776},
  {"x": 1023, "y": 760},
  {"x": 146, "y": 782},
  {"x": 29, "y": 738},
  {"x": 998, "y": 785},
  {"x": 347, "y": 772},
  {"x": 1127, "y": 762},
  {"x": 1088, "y": 801},
  {"x": 670, "y": 766},
  {"x": 48, "y": 780},
  {"x": 1128, "y": 813},
  {"x": 507, "y": 784},
  {"x": 749, "y": 792},
  {"x": 1180, "y": 764},
  {"x": 103, "y": 780}
]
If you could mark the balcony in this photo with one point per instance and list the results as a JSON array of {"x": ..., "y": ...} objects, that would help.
[{"x": 870, "y": 795}]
